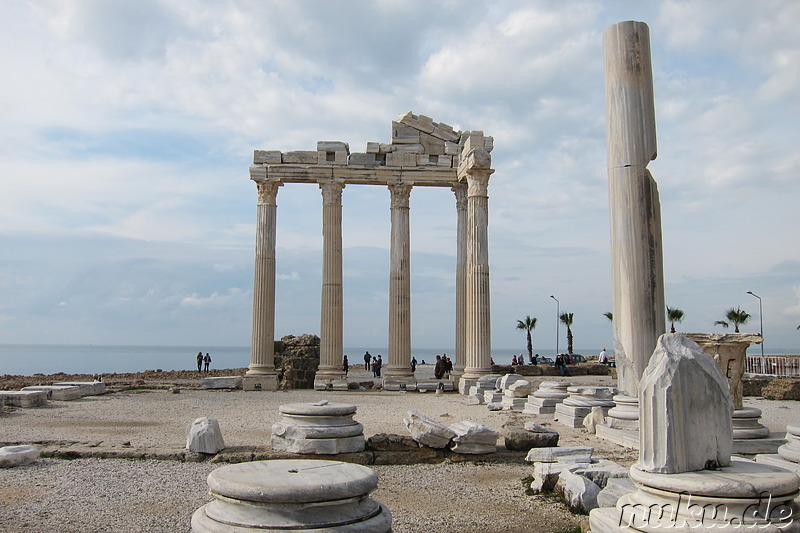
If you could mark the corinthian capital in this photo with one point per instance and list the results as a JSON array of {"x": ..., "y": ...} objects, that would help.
[
  {"x": 400, "y": 195},
  {"x": 267, "y": 191},
  {"x": 331, "y": 192},
  {"x": 460, "y": 189}
]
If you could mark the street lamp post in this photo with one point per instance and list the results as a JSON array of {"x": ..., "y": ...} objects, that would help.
[
  {"x": 558, "y": 313},
  {"x": 760, "y": 318}
]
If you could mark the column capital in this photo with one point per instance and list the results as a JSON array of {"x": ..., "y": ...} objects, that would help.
[
  {"x": 460, "y": 189},
  {"x": 478, "y": 183},
  {"x": 331, "y": 192},
  {"x": 267, "y": 191},
  {"x": 401, "y": 192}
]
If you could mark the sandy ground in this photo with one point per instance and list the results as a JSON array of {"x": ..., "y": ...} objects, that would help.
[{"x": 442, "y": 498}]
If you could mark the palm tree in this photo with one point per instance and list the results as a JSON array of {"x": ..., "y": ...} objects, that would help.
[
  {"x": 736, "y": 317},
  {"x": 566, "y": 319},
  {"x": 609, "y": 315},
  {"x": 528, "y": 324},
  {"x": 674, "y": 315}
]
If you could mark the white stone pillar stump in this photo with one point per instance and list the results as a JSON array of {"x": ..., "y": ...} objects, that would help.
[
  {"x": 331, "y": 321},
  {"x": 261, "y": 374},
  {"x": 398, "y": 365}
]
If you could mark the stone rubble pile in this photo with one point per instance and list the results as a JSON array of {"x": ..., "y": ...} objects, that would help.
[
  {"x": 461, "y": 437},
  {"x": 487, "y": 383},
  {"x": 39, "y": 395},
  {"x": 321, "y": 428},
  {"x": 576, "y": 476},
  {"x": 416, "y": 141}
]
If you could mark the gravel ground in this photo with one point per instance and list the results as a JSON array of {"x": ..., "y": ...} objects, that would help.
[{"x": 121, "y": 495}]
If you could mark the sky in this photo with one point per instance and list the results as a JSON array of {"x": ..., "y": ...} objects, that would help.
[{"x": 127, "y": 128}]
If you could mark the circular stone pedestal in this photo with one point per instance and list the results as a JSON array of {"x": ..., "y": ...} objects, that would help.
[
  {"x": 744, "y": 496},
  {"x": 746, "y": 424},
  {"x": 625, "y": 413},
  {"x": 295, "y": 495},
  {"x": 322, "y": 428},
  {"x": 791, "y": 450}
]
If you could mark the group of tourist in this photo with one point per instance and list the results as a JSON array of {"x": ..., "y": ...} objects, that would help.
[
  {"x": 201, "y": 360},
  {"x": 443, "y": 366}
]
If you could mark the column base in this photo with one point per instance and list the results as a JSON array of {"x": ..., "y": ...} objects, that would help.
[
  {"x": 260, "y": 382},
  {"x": 330, "y": 380}
]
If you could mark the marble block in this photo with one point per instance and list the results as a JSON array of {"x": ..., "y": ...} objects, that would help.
[
  {"x": 472, "y": 438},
  {"x": 565, "y": 454},
  {"x": 791, "y": 450},
  {"x": 435, "y": 384},
  {"x": 88, "y": 388},
  {"x": 512, "y": 403},
  {"x": 495, "y": 406},
  {"x": 18, "y": 455},
  {"x": 685, "y": 410},
  {"x": 322, "y": 428},
  {"x": 24, "y": 398},
  {"x": 302, "y": 157},
  {"x": 615, "y": 489},
  {"x": 519, "y": 439},
  {"x": 491, "y": 396},
  {"x": 293, "y": 495},
  {"x": 55, "y": 392},
  {"x": 579, "y": 493},
  {"x": 595, "y": 418},
  {"x": 519, "y": 389},
  {"x": 222, "y": 382},
  {"x": 270, "y": 157},
  {"x": 204, "y": 436},
  {"x": 427, "y": 431},
  {"x": 509, "y": 379}
]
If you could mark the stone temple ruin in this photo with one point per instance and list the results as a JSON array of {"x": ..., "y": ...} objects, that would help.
[{"x": 422, "y": 153}]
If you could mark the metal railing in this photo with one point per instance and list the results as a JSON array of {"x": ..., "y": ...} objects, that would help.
[{"x": 773, "y": 365}]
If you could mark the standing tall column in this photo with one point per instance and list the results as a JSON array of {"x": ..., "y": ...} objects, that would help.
[
  {"x": 399, "y": 359},
  {"x": 479, "y": 337},
  {"x": 636, "y": 256},
  {"x": 261, "y": 373},
  {"x": 460, "y": 190},
  {"x": 331, "y": 324}
]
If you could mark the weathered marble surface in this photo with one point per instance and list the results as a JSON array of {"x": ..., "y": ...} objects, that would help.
[
  {"x": 222, "y": 382},
  {"x": 565, "y": 454},
  {"x": 297, "y": 495},
  {"x": 685, "y": 413},
  {"x": 204, "y": 436},
  {"x": 24, "y": 398},
  {"x": 18, "y": 455},
  {"x": 322, "y": 428},
  {"x": 472, "y": 438},
  {"x": 428, "y": 431},
  {"x": 88, "y": 388},
  {"x": 58, "y": 393}
]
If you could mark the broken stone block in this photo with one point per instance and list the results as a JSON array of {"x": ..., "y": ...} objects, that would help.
[
  {"x": 508, "y": 380},
  {"x": 488, "y": 143},
  {"x": 519, "y": 439},
  {"x": 222, "y": 382},
  {"x": 600, "y": 471},
  {"x": 445, "y": 132},
  {"x": 361, "y": 159},
  {"x": 495, "y": 406},
  {"x": 18, "y": 455},
  {"x": 492, "y": 396},
  {"x": 333, "y": 146},
  {"x": 418, "y": 122},
  {"x": 403, "y": 134},
  {"x": 615, "y": 489},
  {"x": 54, "y": 392},
  {"x": 472, "y": 438},
  {"x": 474, "y": 399},
  {"x": 204, "y": 436},
  {"x": 519, "y": 389},
  {"x": 566, "y": 454},
  {"x": 332, "y": 158},
  {"x": 23, "y": 398},
  {"x": 400, "y": 159},
  {"x": 410, "y": 149},
  {"x": 431, "y": 145},
  {"x": 269, "y": 157},
  {"x": 373, "y": 148},
  {"x": 428, "y": 431},
  {"x": 88, "y": 388},
  {"x": 579, "y": 493},
  {"x": 300, "y": 157},
  {"x": 594, "y": 419}
]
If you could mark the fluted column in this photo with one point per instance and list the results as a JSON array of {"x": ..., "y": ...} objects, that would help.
[
  {"x": 478, "y": 325},
  {"x": 637, "y": 265},
  {"x": 331, "y": 324},
  {"x": 399, "y": 359},
  {"x": 261, "y": 373},
  {"x": 460, "y": 190}
]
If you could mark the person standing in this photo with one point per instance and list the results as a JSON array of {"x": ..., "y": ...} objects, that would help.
[
  {"x": 561, "y": 365},
  {"x": 379, "y": 364},
  {"x": 207, "y": 360},
  {"x": 199, "y": 361},
  {"x": 367, "y": 359},
  {"x": 345, "y": 364},
  {"x": 438, "y": 369},
  {"x": 413, "y": 364}
]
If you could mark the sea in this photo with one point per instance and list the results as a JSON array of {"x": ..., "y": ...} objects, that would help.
[{"x": 29, "y": 359}]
